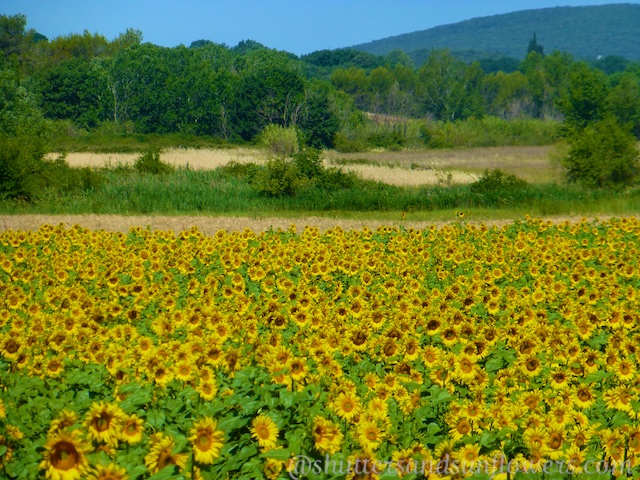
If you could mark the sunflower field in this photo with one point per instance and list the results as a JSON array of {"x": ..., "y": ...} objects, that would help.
[{"x": 462, "y": 351}]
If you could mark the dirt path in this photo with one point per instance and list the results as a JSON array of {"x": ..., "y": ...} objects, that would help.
[{"x": 210, "y": 225}]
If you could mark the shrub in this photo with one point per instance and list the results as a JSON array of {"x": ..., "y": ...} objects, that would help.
[
  {"x": 345, "y": 144},
  {"x": 25, "y": 175},
  {"x": 497, "y": 181},
  {"x": 21, "y": 167},
  {"x": 240, "y": 170},
  {"x": 308, "y": 162},
  {"x": 281, "y": 141},
  {"x": 336, "y": 179},
  {"x": 602, "y": 155},
  {"x": 279, "y": 177},
  {"x": 150, "y": 162},
  {"x": 391, "y": 140}
]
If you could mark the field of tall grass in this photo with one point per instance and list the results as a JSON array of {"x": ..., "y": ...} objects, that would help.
[{"x": 230, "y": 191}]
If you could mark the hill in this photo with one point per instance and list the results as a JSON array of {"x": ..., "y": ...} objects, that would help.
[{"x": 586, "y": 32}]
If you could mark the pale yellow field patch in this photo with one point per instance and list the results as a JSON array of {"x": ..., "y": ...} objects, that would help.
[
  {"x": 404, "y": 177},
  {"x": 403, "y": 168},
  {"x": 199, "y": 159}
]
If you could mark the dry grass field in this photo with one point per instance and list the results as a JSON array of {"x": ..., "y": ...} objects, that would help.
[
  {"x": 403, "y": 168},
  {"x": 209, "y": 225}
]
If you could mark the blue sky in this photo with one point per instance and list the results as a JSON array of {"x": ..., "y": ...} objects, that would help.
[{"x": 297, "y": 26}]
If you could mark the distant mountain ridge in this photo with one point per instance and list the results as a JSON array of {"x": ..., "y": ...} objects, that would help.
[{"x": 587, "y": 33}]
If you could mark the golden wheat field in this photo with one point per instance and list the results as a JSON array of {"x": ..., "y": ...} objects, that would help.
[
  {"x": 458, "y": 351},
  {"x": 404, "y": 168}
]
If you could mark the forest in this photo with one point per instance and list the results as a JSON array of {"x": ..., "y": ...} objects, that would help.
[{"x": 86, "y": 82}]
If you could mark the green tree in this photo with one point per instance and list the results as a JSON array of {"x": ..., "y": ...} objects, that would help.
[
  {"x": 23, "y": 134},
  {"x": 73, "y": 90},
  {"x": 506, "y": 95},
  {"x": 534, "y": 46},
  {"x": 450, "y": 89},
  {"x": 585, "y": 99},
  {"x": 318, "y": 121},
  {"x": 13, "y": 36},
  {"x": 270, "y": 90},
  {"x": 624, "y": 101},
  {"x": 602, "y": 155}
]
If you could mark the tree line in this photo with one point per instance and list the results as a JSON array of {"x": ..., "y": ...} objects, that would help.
[{"x": 235, "y": 92}]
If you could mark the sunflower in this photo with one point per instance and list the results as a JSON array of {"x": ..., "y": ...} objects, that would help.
[
  {"x": 327, "y": 436},
  {"x": 65, "y": 419},
  {"x": 207, "y": 390},
  {"x": 265, "y": 431},
  {"x": 530, "y": 365},
  {"x": 559, "y": 379},
  {"x": 346, "y": 405},
  {"x": 460, "y": 428},
  {"x": 298, "y": 369},
  {"x": 109, "y": 472},
  {"x": 410, "y": 460},
  {"x": 464, "y": 368},
  {"x": 184, "y": 371},
  {"x": 161, "y": 454},
  {"x": 364, "y": 466},
  {"x": 7, "y": 456},
  {"x": 272, "y": 468},
  {"x": 431, "y": 355},
  {"x": 104, "y": 422},
  {"x": 624, "y": 369},
  {"x": 535, "y": 438},
  {"x": 207, "y": 440},
  {"x": 468, "y": 456},
  {"x": 65, "y": 456},
  {"x": 575, "y": 459},
  {"x": 132, "y": 429},
  {"x": 583, "y": 397},
  {"x": 555, "y": 440},
  {"x": 369, "y": 435}
]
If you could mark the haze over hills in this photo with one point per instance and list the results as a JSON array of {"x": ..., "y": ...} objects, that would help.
[{"x": 586, "y": 32}]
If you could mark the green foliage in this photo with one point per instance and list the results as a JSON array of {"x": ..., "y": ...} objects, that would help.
[
  {"x": 624, "y": 101},
  {"x": 308, "y": 163},
  {"x": 279, "y": 177},
  {"x": 21, "y": 166},
  {"x": 497, "y": 182},
  {"x": 602, "y": 155},
  {"x": 318, "y": 121},
  {"x": 149, "y": 162},
  {"x": 609, "y": 26},
  {"x": 450, "y": 88},
  {"x": 243, "y": 171},
  {"x": 472, "y": 132},
  {"x": 279, "y": 140},
  {"x": 585, "y": 100},
  {"x": 391, "y": 140},
  {"x": 73, "y": 89},
  {"x": 534, "y": 46},
  {"x": 287, "y": 177},
  {"x": 26, "y": 176}
]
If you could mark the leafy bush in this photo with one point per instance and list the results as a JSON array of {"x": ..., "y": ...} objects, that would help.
[
  {"x": 346, "y": 144},
  {"x": 235, "y": 169},
  {"x": 150, "y": 162},
  {"x": 308, "y": 162},
  {"x": 391, "y": 140},
  {"x": 602, "y": 155},
  {"x": 25, "y": 175},
  {"x": 336, "y": 179},
  {"x": 303, "y": 170},
  {"x": 280, "y": 140},
  {"x": 497, "y": 181},
  {"x": 279, "y": 177},
  {"x": 21, "y": 166}
]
